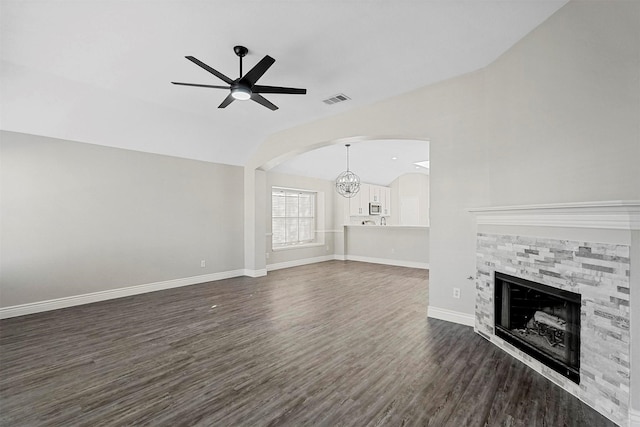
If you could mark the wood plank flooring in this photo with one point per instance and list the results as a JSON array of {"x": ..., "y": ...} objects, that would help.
[{"x": 330, "y": 344}]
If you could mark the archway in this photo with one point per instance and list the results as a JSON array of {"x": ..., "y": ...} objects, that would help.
[{"x": 256, "y": 190}]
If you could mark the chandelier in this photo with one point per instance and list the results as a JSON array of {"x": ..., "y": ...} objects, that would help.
[{"x": 347, "y": 183}]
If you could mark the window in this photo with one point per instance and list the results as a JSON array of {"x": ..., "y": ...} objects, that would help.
[{"x": 293, "y": 217}]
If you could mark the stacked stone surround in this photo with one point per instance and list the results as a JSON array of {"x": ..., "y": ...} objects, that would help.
[{"x": 600, "y": 274}]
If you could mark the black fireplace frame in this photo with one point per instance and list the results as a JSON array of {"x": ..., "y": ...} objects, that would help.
[{"x": 569, "y": 370}]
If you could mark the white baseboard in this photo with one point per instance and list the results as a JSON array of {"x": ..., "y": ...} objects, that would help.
[
  {"x": 254, "y": 273},
  {"x": 634, "y": 417},
  {"x": 55, "y": 304},
  {"x": 451, "y": 316},
  {"x": 299, "y": 262},
  {"x": 386, "y": 261}
]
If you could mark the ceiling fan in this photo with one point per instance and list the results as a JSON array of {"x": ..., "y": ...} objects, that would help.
[{"x": 245, "y": 87}]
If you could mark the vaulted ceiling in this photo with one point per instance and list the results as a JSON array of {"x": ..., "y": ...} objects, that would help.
[{"x": 100, "y": 71}]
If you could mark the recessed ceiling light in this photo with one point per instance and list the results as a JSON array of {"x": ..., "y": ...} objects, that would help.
[
  {"x": 422, "y": 164},
  {"x": 394, "y": 158}
]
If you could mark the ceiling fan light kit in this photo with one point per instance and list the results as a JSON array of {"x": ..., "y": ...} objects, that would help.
[
  {"x": 241, "y": 93},
  {"x": 244, "y": 87}
]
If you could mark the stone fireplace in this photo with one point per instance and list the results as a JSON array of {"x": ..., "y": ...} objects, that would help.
[{"x": 553, "y": 290}]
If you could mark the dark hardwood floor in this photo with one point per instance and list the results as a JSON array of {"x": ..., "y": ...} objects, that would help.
[{"x": 330, "y": 344}]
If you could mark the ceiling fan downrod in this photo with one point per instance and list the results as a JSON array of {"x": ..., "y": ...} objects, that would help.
[{"x": 241, "y": 51}]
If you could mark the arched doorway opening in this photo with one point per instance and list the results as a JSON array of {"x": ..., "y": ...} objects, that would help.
[{"x": 335, "y": 245}]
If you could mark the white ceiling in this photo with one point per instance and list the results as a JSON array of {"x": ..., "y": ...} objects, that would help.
[
  {"x": 375, "y": 162},
  {"x": 100, "y": 71}
]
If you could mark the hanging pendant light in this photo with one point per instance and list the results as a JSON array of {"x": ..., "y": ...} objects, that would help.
[{"x": 347, "y": 183}]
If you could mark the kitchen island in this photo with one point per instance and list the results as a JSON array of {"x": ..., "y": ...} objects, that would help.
[{"x": 402, "y": 245}]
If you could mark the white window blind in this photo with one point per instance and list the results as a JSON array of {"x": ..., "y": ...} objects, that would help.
[{"x": 293, "y": 217}]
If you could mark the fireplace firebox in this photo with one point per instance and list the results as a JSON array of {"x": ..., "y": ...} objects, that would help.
[{"x": 540, "y": 320}]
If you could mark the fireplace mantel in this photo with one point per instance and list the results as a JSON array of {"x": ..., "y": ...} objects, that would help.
[{"x": 616, "y": 215}]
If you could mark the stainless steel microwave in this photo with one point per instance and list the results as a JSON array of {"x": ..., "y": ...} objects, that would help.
[{"x": 375, "y": 209}]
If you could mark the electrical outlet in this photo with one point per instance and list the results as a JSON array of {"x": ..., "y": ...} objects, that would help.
[
  {"x": 327, "y": 248},
  {"x": 203, "y": 264},
  {"x": 393, "y": 251},
  {"x": 267, "y": 255},
  {"x": 456, "y": 293}
]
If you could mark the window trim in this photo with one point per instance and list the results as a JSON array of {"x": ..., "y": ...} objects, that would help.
[{"x": 315, "y": 241}]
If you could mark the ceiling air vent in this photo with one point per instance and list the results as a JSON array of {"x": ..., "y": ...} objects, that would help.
[{"x": 341, "y": 97}]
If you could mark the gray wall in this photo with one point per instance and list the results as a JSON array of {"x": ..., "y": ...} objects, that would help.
[
  {"x": 79, "y": 218},
  {"x": 563, "y": 109}
]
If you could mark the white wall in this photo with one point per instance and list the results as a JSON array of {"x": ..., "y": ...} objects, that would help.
[
  {"x": 410, "y": 186},
  {"x": 79, "y": 218}
]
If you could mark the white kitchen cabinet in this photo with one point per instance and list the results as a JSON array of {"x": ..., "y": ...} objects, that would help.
[
  {"x": 385, "y": 200},
  {"x": 381, "y": 195},
  {"x": 354, "y": 205},
  {"x": 359, "y": 204},
  {"x": 369, "y": 193},
  {"x": 374, "y": 193}
]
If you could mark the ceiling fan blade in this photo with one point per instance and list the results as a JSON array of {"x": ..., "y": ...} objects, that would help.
[
  {"x": 216, "y": 73},
  {"x": 228, "y": 100},
  {"x": 258, "y": 70},
  {"x": 199, "y": 85},
  {"x": 263, "y": 101},
  {"x": 277, "y": 89}
]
